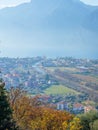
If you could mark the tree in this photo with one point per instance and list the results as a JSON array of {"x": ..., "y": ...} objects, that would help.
[
  {"x": 31, "y": 113},
  {"x": 95, "y": 125},
  {"x": 75, "y": 124},
  {"x": 22, "y": 107},
  {"x": 88, "y": 120},
  {"x": 50, "y": 119},
  {"x": 6, "y": 121}
]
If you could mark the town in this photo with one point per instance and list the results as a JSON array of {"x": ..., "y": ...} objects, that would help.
[{"x": 65, "y": 83}]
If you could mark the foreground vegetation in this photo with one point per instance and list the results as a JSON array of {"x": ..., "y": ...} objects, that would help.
[
  {"x": 6, "y": 117},
  {"x": 29, "y": 113}
]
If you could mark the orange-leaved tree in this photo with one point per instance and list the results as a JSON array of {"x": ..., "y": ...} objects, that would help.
[{"x": 31, "y": 114}]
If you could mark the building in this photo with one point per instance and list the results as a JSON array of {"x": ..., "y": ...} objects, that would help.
[{"x": 62, "y": 106}]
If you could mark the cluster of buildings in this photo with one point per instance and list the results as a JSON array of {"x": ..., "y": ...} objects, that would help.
[
  {"x": 31, "y": 74},
  {"x": 75, "y": 108},
  {"x": 25, "y": 72}
]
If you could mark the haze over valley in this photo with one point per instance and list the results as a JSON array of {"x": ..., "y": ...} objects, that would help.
[{"x": 51, "y": 28}]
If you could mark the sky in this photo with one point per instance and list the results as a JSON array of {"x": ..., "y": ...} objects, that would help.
[
  {"x": 91, "y": 2},
  {"x": 9, "y": 3}
]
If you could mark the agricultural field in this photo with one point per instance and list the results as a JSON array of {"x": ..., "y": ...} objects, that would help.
[{"x": 60, "y": 90}]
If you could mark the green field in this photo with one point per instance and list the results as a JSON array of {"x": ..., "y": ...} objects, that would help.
[{"x": 59, "y": 89}]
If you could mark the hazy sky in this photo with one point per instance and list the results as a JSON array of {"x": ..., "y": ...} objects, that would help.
[
  {"x": 42, "y": 41},
  {"x": 5, "y": 3},
  {"x": 92, "y": 2}
]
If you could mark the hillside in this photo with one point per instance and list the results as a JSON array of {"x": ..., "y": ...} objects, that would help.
[{"x": 51, "y": 28}]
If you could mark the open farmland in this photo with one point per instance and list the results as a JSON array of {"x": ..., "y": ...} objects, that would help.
[{"x": 60, "y": 90}]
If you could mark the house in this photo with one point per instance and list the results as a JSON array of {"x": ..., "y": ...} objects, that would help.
[
  {"x": 62, "y": 106},
  {"x": 78, "y": 108},
  {"x": 89, "y": 108}
]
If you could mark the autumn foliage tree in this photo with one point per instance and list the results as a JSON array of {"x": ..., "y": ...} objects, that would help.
[
  {"x": 49, "y": 119},
  {"x": 31, "y": 114},
  {"x": 75, "y": 124}
]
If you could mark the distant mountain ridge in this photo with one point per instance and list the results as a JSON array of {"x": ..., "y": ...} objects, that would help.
[{"x": 51, "y": 28}]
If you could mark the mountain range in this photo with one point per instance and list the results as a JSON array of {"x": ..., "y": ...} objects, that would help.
[{"x": 51, "y": 28}]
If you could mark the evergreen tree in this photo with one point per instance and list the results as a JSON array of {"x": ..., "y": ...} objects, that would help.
[{"x": 6, "y": 121}]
